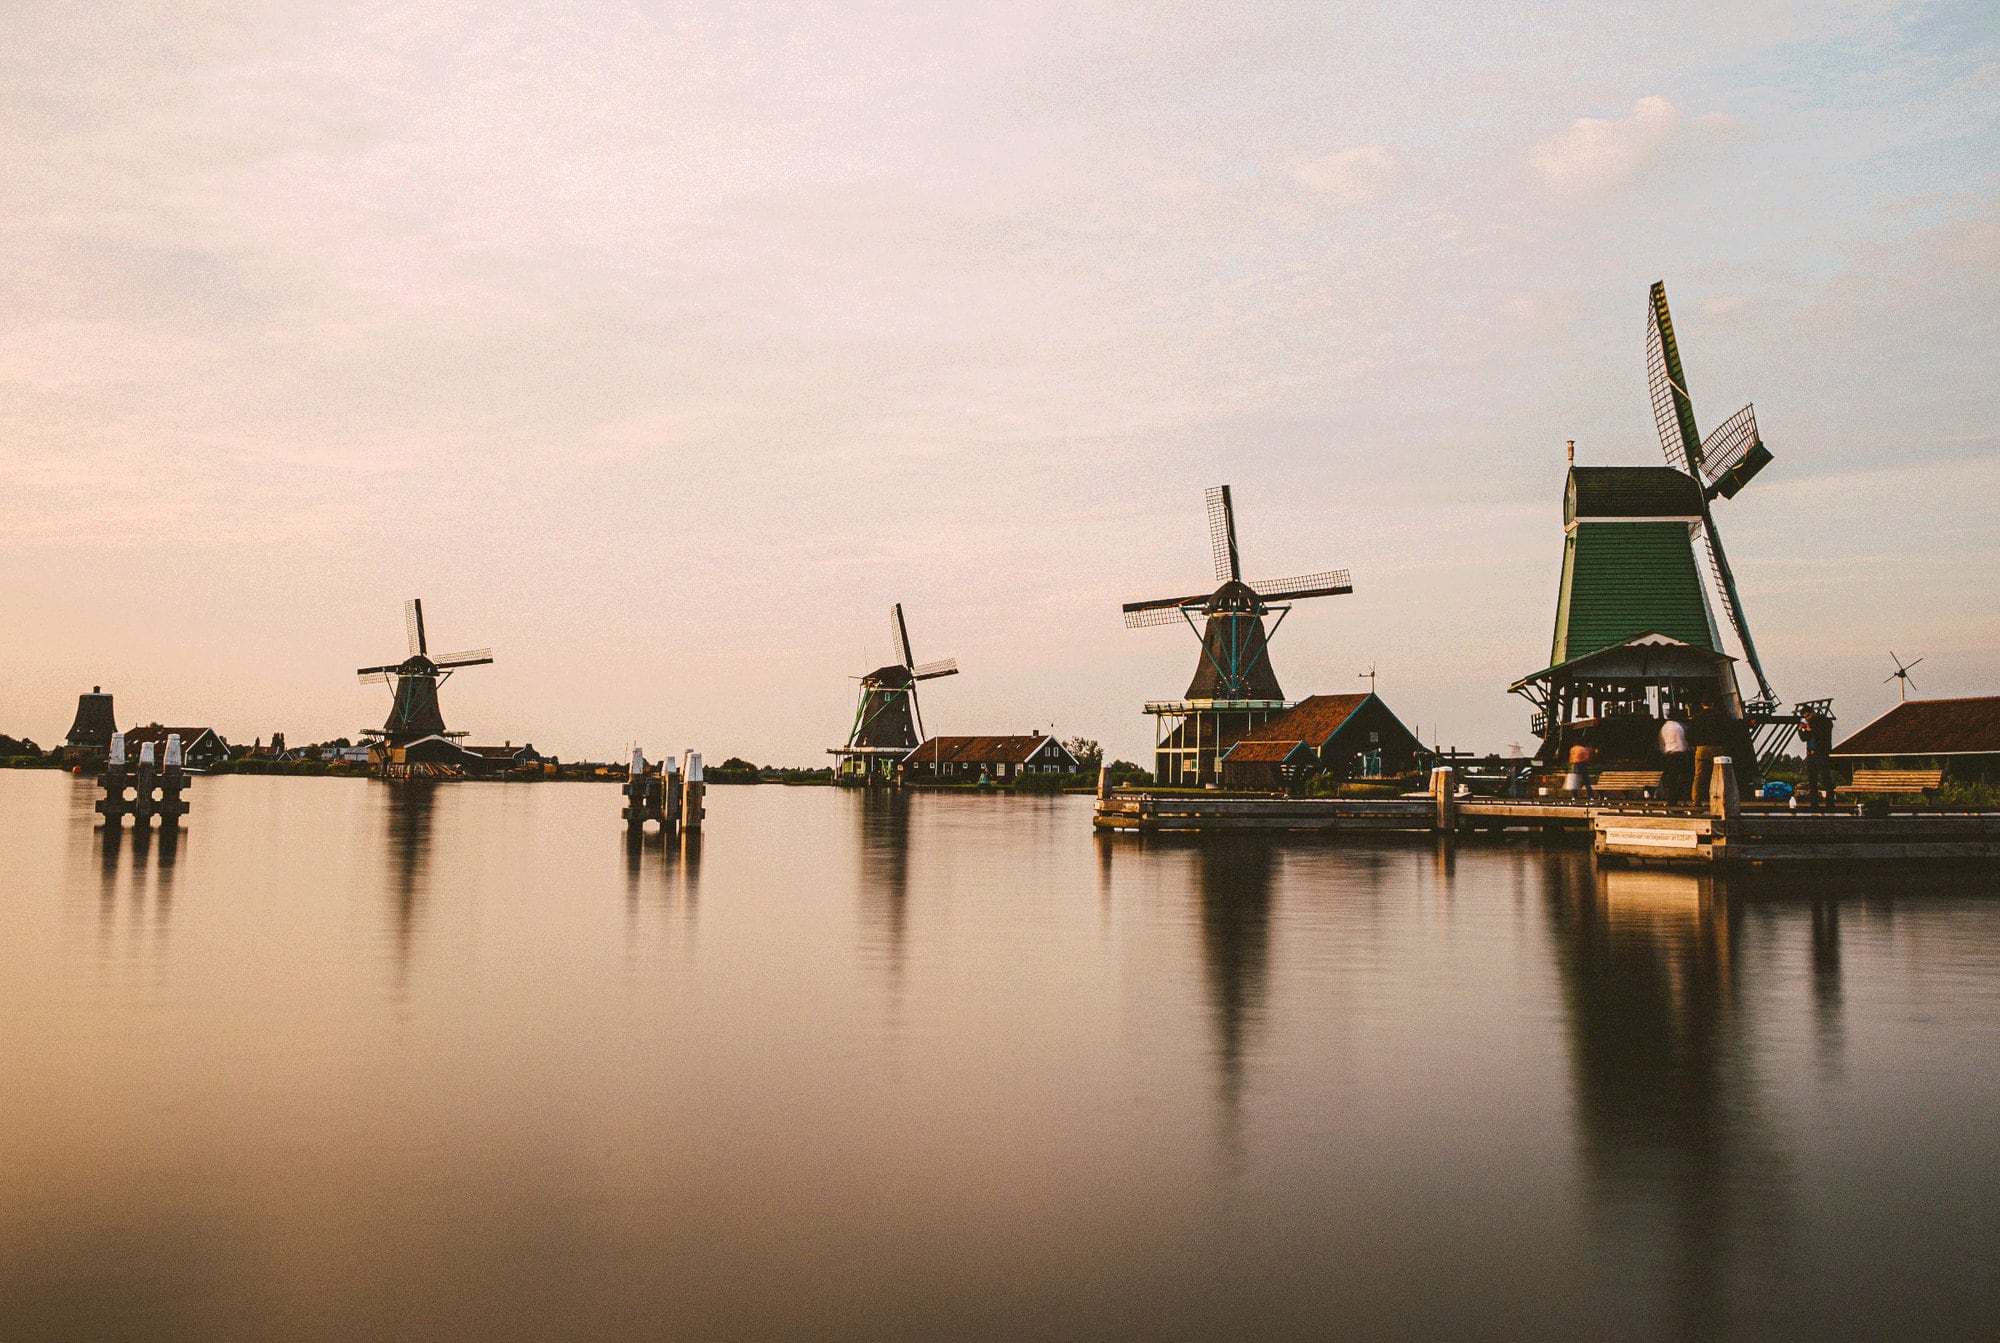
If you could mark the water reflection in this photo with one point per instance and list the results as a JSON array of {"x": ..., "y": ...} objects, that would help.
[
  {"x": 883, "y": 819},
  {"x": 1679, "y": 1159},
  {"x": 141, "y": 861},
  {"x": 408, "y": 808},
  {"x": 1235, "y": 893}
]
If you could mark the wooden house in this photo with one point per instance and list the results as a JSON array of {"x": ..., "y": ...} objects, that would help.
[
  {"x": 1342, "y": 736},
  {"x": 201, "y": 747},
  {"x": 993, "y": 759}
]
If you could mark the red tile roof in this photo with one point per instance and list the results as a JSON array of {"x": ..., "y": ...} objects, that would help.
[
  {"x": 1256, "y": 751},
  {"x": 977, "y": 750},
  {"x": 1925, "y": 727},
  {"x": 1312, "y": 720}
]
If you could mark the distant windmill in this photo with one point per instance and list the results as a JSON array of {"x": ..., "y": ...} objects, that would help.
[
  {"x": 1904, "y": 681},
  {"x": 417, "y": 677},
  {"x": 1234, "y": 685},
  {"x": 887, "y": 722},
  {"x": 1723, "y": 465}
]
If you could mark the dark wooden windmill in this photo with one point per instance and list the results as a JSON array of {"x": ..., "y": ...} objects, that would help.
[
  {"x": 415, "y": 713},
  {"x": 1234, "y": 687},
  {"x": 887, "y": 722}
]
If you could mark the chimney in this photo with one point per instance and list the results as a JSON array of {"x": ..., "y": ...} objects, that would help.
[{"x": 1572, "y": 452}]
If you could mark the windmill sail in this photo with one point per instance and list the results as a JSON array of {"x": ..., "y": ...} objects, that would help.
[
  {"x": 1222, "y": 534},
  {"x": 1673, "y": 413}
]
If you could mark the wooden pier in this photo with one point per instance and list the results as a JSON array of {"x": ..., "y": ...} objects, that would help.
[{"x": 1641, "y": 832}]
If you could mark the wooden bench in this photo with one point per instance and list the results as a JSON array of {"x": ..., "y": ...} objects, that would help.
[
  {"x": 1628, "y": 781},
  {"x": 1892, "y": 782}
]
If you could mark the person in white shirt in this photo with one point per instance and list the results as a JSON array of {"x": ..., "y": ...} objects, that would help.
[{"x": 1678, "y": 775}]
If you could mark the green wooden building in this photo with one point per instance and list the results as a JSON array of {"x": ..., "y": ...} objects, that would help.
[{"x": 1635, "y": 638}]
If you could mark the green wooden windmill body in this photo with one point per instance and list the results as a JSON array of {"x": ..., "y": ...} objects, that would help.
[{"x": 1629, "y": 565}]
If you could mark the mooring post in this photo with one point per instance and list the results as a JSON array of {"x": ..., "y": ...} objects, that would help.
[
  {"x": 142, "y": 802},
  {"x": 691, "y": 808},
  {"x": 670, "y": 795},
  {"x": 172, "y": 780},
  {"x": 1723, "y": 804},
  {"x": 1103, "y": 783},
  {"x": 1443, "y": 781},
  {"x": 635, "y": 811},
  {"x": 112, "y": 806}
]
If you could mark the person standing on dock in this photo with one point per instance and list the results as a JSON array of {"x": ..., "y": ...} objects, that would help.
[
  {"x": 1706, "y": 733},
  {"x": 1677, "y": 777},
  {"x": 1578, "y": 782}
]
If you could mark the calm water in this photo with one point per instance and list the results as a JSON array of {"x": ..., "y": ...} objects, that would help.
[{"x": 356, "y": 1062}]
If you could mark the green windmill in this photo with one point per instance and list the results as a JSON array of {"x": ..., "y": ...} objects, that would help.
[{"x": 1636, "y": 637}]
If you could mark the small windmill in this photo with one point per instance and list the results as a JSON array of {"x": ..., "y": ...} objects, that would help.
[
  {"x": 1723, "y": 465},
  {"x": 1234, "y": 685},
  {"x": 1901, "y": 676},
  {"x": 417, "y": 677},
  {"x": 1235, "y": 662},
  {"x": 887, "y": 722}
]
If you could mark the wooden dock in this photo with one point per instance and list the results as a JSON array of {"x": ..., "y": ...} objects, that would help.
[
  {"x": 1779, "y": 837},
  {"x": 1639, "y": 832}
]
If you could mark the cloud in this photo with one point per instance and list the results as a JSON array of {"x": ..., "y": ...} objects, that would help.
[
  {"x": 1592, "y": 153},
  {"x": 1356, "y": 176}
]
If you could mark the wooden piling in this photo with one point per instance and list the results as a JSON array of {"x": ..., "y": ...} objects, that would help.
[
  {"x": 642, "y": 794},
  {"x": 1723, "y": 802},
  {"x": 692, "y": 810},
  {"x": 1444, "y": 780},
  {"x": 670, "y": 796}
]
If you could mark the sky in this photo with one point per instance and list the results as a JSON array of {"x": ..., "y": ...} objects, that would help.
[{"x": 662, "y": 347}]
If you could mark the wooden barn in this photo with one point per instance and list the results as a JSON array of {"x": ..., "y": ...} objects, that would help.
[
  {"x": 1342, "y": 736},
  {"x": 1962, "y": 736},
  {"x": 998, "y": 759}
]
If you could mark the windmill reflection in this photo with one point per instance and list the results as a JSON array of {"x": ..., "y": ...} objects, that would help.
[
  {"x": 408, "y": 809},
  {"x": 1674, "y": 1141},
  {"x": 1235, "y": 877},
  {"x": 883, "y": 821}
]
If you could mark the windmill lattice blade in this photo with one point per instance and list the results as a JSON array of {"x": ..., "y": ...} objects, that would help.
[
  {"x": 902, "y": 632},
  {"x": 1222, "y": 533},
  {"x": 369, "y": 671},
  {"x": 1729, "y": 443},
  {"x": 1169, "y": 614},
  {"x": 1332, "y": 583},
  {"x": 374, "y": 676},
  {"x": 1718, "y": 564},
  {"x": 1673, "y": 412},
  {"x": 413, "y": 624},
  {"x": 1193, "y": 599},
  {"x": 931, "y": 670},
  {"x": 470, "y": 658}
]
